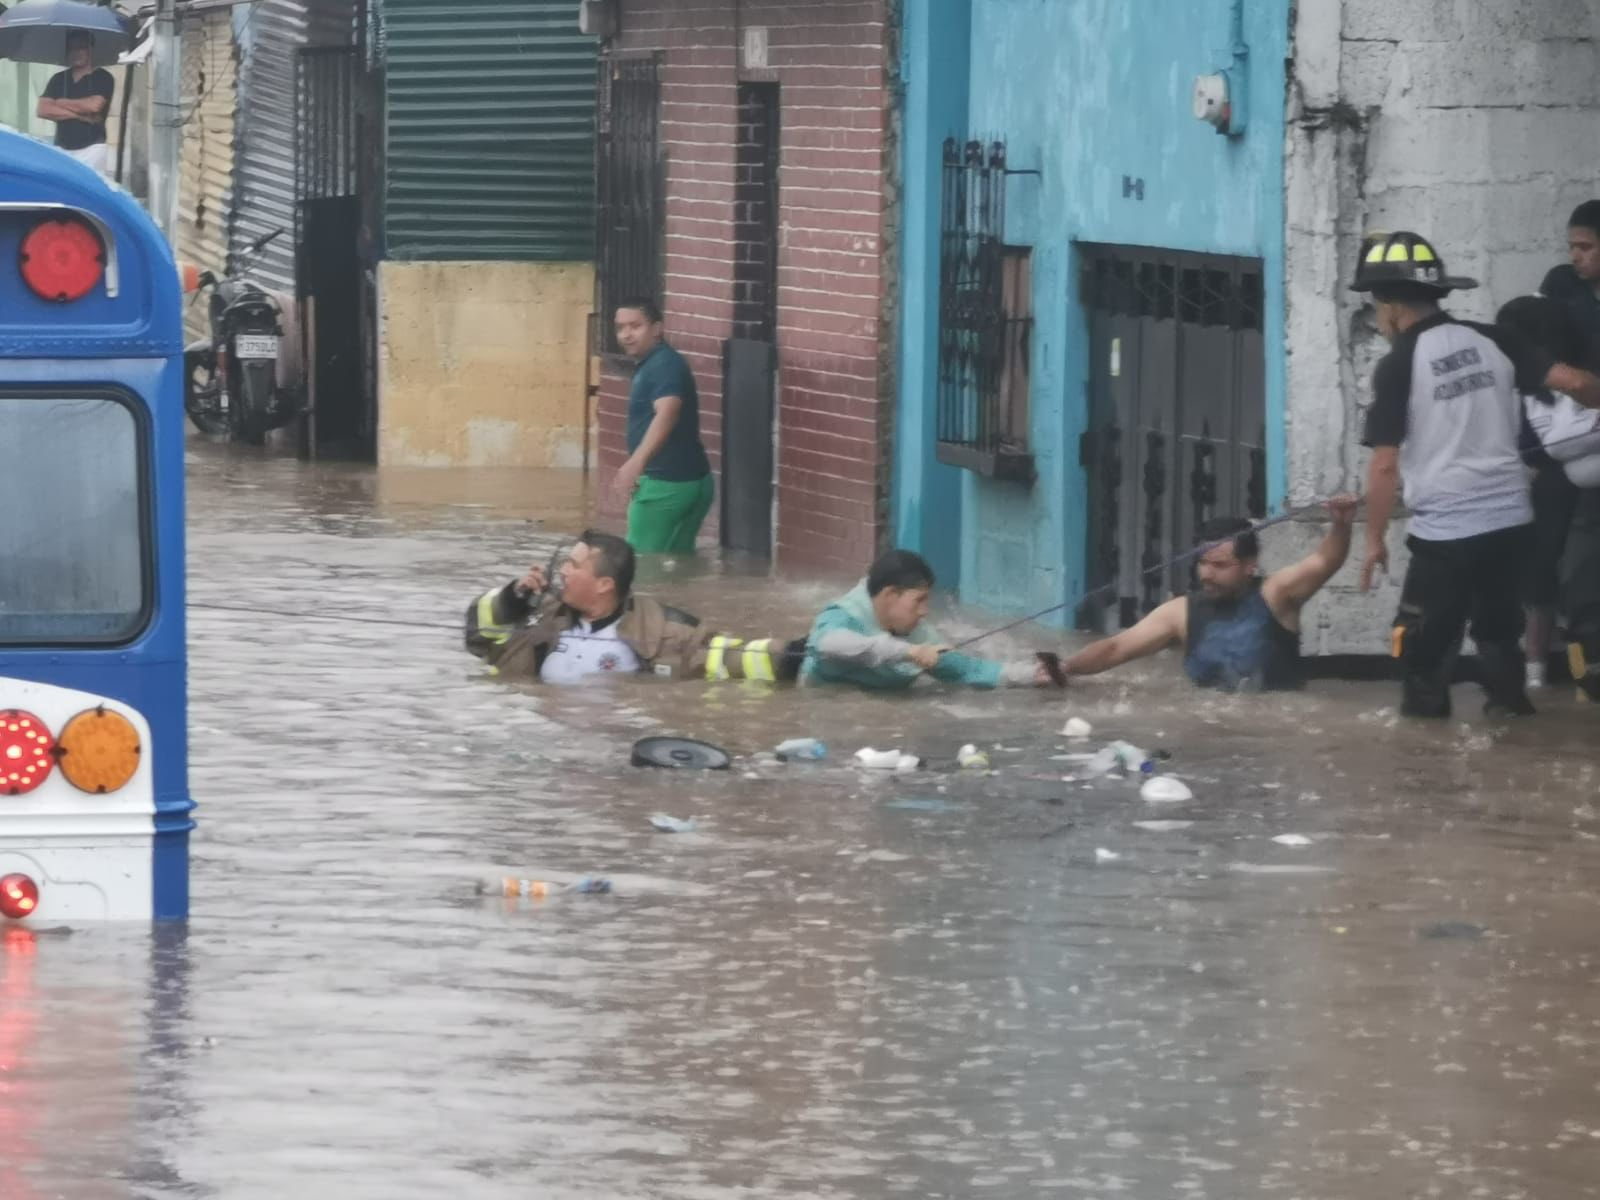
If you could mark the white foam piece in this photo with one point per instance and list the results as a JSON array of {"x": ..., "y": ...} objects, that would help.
[
  {"x": 1077, "y": 729},
  {"x": 878, "y": 760},
  {"x": 1165, "y": 789}
]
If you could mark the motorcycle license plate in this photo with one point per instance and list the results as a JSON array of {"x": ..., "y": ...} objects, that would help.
[{"x": 255, "y": 345}]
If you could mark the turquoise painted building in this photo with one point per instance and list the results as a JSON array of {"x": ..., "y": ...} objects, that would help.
[{"x": 1136, "y": 277}]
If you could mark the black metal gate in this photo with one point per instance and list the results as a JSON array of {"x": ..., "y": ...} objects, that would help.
[
  {"x": 630, "y": 187},
  {"x": 985, "y": 319},
  {"x": 333, "y": 139},
  {"x": 1177, "y": 414}
]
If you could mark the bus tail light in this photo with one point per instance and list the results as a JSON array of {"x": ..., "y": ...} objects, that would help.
[
  {"x": 98, "y": 750},
  {"x": 27, "y": 752},
  {"x": 62, "y": 259},
  {"x": 19, "y": 896}
]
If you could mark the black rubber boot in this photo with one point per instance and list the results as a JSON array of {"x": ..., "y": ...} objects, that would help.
[
  {"x": 1427, "y": 697},
  {"x": 1505, "y": 680}
]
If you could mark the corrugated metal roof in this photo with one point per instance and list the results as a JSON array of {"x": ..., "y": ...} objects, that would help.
[
  {"x": 205, "y": 181},
  {"x": 269, "y": 33},
  {"x": 490, "y": 144}
]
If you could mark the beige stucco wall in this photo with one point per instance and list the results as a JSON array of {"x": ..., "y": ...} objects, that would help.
[{"x": 482, "y": 364}]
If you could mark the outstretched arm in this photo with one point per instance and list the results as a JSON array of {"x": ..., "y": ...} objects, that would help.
[
  {"x": 1167, "y": 624},
  {"x": 1293, "y": 586}
]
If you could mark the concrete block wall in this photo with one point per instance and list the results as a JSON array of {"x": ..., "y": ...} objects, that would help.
[
  {"x": 830, "y": 59},
  {"x": 1476, "y": 124}
]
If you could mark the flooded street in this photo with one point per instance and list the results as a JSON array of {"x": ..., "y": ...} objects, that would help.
[{"x": 948, "y": 984}]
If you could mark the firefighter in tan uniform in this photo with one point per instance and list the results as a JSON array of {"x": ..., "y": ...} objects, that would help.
[{"x": 591, "y": 624}]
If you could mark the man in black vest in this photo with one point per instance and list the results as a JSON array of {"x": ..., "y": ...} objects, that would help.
[
  {"x": 77, "y": 100},
  {"x": 1240, "y": 631}
]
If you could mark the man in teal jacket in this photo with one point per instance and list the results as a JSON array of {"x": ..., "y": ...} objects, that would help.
[{"x": 874, "y": 637}]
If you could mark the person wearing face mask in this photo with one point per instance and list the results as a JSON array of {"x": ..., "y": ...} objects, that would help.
[
  {"x": 588, "y": 623},
  {"x": 876, "y": 637},
  {"x": 1239, "y": 630}
]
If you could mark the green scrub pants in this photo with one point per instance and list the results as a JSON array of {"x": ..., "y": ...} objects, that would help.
[{"x": 665, "y": 518}]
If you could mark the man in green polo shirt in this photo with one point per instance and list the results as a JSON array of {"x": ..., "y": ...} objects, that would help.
[{"x": 667, "y": 477}]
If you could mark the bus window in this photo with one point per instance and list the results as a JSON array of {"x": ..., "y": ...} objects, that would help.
[{"x": 74, "y": 542}]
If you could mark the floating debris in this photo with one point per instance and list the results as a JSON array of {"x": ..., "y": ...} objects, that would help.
[
  {"x": 1077, "y": 729},
  {"x": 878, "y": 760},
  {"x": 804, "y": 747},
  {"x": 668, "y": 824},
  {"x": 1292, "y": 839},
  {"x": 969, "y": 757},
  {"x": 680, "y": 753},
  {"x": 1165, "y": 789},
  {"x": 887, "y": 760}
]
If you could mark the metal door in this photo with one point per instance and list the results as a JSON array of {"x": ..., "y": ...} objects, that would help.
[
  {"x": 748, "y": 379},
  {"x": 333, "y": 110},
  {"x": 1177, "y": 414},
  {"x": 750, "y": 359}
]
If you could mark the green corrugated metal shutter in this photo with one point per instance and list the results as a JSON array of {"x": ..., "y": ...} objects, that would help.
[{"x": 490, "y": 141}]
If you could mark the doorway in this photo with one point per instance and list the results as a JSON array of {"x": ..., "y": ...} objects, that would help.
[
  {"x": 334, "y": 178},
  {"x": 1177, "y": 415}
]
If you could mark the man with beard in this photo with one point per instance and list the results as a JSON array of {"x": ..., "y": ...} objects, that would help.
[{"x": 1240, "y": 630}]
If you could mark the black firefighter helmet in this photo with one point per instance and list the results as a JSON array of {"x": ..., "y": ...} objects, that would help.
[{"x": 1404, "y": 258}]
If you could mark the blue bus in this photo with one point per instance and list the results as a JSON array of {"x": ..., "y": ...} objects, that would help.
[{"x": 95, "y": 812}]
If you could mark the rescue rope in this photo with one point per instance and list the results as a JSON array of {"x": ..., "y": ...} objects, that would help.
[
  {"x": 1174, "y": 561},
  {"x": 1092, "y": 593}
]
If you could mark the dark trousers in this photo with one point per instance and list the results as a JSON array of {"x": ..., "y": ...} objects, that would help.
[
  {"x": 1453, "y": 587},
  {"x": 1580, "y": 591}
]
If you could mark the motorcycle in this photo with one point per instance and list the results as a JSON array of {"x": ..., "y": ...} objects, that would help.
[{"x": 243, "y": 380}]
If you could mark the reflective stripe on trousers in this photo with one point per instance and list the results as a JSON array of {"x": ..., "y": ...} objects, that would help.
[{"x": 733, "y": 658}]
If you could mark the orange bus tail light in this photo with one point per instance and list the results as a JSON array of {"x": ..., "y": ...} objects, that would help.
[{"x": 98, "y": 750}]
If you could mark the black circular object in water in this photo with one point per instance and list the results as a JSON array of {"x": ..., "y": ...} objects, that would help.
[{"x": 679, "y": 752}]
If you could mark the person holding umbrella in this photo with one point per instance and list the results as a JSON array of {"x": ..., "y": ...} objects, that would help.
[
  {"x": 77, "y": 100},
  {"x": 84, "y": 36}
]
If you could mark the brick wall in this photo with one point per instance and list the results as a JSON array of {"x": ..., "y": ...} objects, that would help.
[{"x": 829, "y": 59}]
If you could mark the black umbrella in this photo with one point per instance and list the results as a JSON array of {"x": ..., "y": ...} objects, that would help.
[{"x": 36, "y": 31}]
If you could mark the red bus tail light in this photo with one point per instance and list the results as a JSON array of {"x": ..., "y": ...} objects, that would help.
[
  {"x": 62, "y": 259},
  {"x": 19, "y": 896},
  {"x": 27, "y": 752}
]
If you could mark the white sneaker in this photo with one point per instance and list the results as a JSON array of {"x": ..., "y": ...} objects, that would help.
[{"x": 1535, "y": 676}]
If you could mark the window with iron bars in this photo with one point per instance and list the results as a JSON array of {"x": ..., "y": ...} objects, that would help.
[
  {"x": 985, "y": 319},
  {"x": 631, "y": 190}
]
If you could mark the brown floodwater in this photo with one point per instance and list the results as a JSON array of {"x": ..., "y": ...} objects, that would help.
[{"x": 841, "y": 984}]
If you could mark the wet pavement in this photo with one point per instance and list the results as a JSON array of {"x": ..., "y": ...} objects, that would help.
[{"x": 841, "y": 985}]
